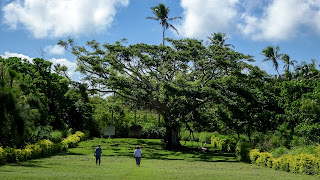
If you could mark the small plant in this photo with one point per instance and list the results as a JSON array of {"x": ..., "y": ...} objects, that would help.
[{"x": 3, "y": 156}]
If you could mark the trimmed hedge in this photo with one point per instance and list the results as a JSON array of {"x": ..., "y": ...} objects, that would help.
[
  {"x": 302, "y": 163},
  {"x": 42, "y": 148}
]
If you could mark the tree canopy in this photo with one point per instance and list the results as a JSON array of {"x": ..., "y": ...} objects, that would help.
[{"x": 175, "y": 80}]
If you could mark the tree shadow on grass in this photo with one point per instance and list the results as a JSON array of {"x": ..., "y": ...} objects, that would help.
[
  {"x": 192, "y": 154},
  {"x": 69, "y": 153},
  {"x": 30, "y": 163}
]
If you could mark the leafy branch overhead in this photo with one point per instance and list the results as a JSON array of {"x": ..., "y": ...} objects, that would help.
[{"x": 173, "y": 80}]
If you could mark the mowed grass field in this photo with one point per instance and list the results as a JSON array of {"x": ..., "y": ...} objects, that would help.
[{"x": 157, "y": 163}]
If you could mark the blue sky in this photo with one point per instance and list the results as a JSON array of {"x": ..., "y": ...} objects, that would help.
[{"x": 30, "y": 25}]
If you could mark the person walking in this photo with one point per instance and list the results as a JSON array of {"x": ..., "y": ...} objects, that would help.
[
  {"x": 138, "y": 155},
  {"x": 97, "y": 154}
]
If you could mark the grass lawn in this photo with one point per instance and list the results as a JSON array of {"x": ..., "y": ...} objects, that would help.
[{"x": 118, "y": 163}]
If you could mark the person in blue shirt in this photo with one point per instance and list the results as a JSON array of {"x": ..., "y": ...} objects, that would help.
[{"x": 97, "y": 154}]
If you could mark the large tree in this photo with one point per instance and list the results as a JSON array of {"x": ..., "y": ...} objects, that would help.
[
  {"x": 176, "y": 81},
  {"x": 162, "y": 12}
]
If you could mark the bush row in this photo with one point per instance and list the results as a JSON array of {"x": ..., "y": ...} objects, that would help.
[
  {"x": 42, "y": 148},
  {"x": 302, "y": 163}
]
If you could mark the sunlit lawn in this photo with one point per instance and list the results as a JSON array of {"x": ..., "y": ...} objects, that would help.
[{"x": 157, "y": 163}]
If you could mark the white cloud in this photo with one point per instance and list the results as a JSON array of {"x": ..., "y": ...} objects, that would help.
[
  {"x": 71, "y": 65},
  {"x": 57, "y": 18},
  {"x": 271, "y": 20},
  {"x": 207, "y": 16},
  {"x": 281, "y": 20},
  {"x": 8, "y": 55},
  {"x": 54, "y": 50}
]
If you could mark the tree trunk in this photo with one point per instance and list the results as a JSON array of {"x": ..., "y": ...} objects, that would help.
[
  {"x": 163, "y": 34},
  {"x": 173, "y": 137}
]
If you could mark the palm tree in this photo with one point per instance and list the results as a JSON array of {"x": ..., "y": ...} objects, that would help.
[
  {"x": 287, "y": 63},
  {"x": 161, "y": 12},
  {"x": 219, "y": 39},
  {"x": 271, "y": 54}
]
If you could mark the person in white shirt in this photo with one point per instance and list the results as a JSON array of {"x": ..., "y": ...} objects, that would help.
[{"x": 137, "y": 154}]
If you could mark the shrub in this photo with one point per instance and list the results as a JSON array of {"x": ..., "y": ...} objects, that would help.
[
  {"x": 63, "y": 145},
  {"x": 224, "y": 143},
  {"x": 71, "y": 141},
  {"x": 205, "y": 137},
  {"x": 276, "y": 164},
  {"x": 284, "y": 163},
  {"x": 46, "y": 146},
  {"x": 27, "y": 153},
  {"x": 263, "y": 158},
  {"x": 11, "y": 154},
  {"x": 302, "y": 163},
  {"x": 81, "y": 135},
  {"x": 317, "y": 150},
  {"x": 184, "y": 135},
  {"x": 270, "y": 162},
  {"x": 152, "y": 131},
  {"x": 41, "y": 148},
  {"x": 279, "y": 151},
  {"x": 56, "y": 136},
  {"x": 242, "y": 151},
  {"x": 317, "y": 166},
  {"x": 87, "y": 134},
  {"x": 254, "y": 154},
  {"x": 3, "y": 156},
  {"x": 35, "y": 150}
]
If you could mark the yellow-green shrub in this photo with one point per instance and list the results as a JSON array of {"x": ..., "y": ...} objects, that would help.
[
  {"x": 81, "y": 135},
  {"x": 72, "y": 140},
  {"x": 11, "y": 154},
  {"x": 276, "y": 164},
  {"x": 285, "y": 162},
  {"x": 3, "y": 156},
  {"x": 41, "y": 148},
  {"x": 224, "y": 143},
  {"x": 270, "y": 162},
  {"x": 263, "y": 158},
  {"x": 27, "y": 153},
  {"x": 318, "y": 150},
  {"x": 63, "y": 145},
  {"x": 254, "y": 154},
  {"x": 46, "y": 146},
  {"x": 303, "y": 163},
  {"x": 36, "y": 150},
  {"x": 19, "y": 155},
  {"x": 317, "y": 166}
]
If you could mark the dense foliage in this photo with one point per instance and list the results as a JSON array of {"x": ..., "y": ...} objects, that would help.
[{"x": 188, "y": 85}]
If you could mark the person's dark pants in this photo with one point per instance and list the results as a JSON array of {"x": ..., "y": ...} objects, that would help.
[
  {"x": 98, "y": 158},
  {"x": 138, "y": 160}
]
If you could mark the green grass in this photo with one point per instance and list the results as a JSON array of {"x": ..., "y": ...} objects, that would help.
[{"x": 157, "y": 163}]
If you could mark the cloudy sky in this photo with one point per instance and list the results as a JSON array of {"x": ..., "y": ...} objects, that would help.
[{"x": 29, "y": 27}]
